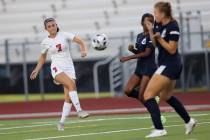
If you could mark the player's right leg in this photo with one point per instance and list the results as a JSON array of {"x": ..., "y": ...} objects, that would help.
[
  {"x": 144, "y": 82},
  {"x": 130, "y": 90},
  {"x": 154, "y": 87}
]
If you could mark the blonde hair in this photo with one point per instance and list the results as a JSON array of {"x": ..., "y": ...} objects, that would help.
[{"x": 165, "y": 7}]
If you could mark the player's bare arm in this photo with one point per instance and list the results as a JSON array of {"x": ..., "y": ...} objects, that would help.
[
  {"x": 131, "y": 49},
  {"x": 146, "y": 53},
  {"x": 170, "y": 46},
  {"x": 82, "y": 46},
  {"x": 38, "y": 67}
]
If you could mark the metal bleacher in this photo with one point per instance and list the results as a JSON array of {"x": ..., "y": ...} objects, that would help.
[
  {"x": 21, "y": 16},
  {"x": 22, "y": 20}
]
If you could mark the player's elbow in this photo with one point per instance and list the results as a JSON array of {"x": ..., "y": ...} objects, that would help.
[
  {"x": 172, "y": 51},
  {"x": 172, "y": 47},
  {"x": 78, "y": 40},
  {"x": 147, "y": 52},
  {"x": 42, "y": 58}
]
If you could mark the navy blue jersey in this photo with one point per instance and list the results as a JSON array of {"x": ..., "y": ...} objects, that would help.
[
  {"x": 142, "y": 42},
  {"x": 169, "y": 32},
  {"x": 145, "y": 65}
]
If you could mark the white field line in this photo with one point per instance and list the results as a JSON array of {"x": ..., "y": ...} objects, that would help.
[
  {"x": 106, "y": 111},
  {"x": 92, "y": 120},
  {"x": 116, "y": 118},
  {"x": 28, "y": 131},
  {"x": 108, "y": 132}
]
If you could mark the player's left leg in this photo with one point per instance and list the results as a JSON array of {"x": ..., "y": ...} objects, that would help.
[
  {"x": 69, "y": 83},
  {"x": 130, "y": 90},
  {"x": 167, "y": 95},
  {"x": 142, "y": 86}
]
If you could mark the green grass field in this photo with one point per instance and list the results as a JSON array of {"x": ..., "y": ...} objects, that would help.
[{"x": 110, "y": 127}]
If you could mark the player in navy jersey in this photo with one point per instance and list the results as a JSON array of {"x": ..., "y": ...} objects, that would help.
[
  {"x": 165, "y": 36},
  {"x": 144, "y": 51}
]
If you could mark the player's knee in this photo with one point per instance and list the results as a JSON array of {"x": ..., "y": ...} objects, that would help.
[
  {"x": 70, "y": 87},
  {"x": 147, "y": 95},
  {"x": 164, "y": 97},
  {"x": 141, "y": 97},
  {"x": 67, "y": 100},
  {"x": 127, "y": 90}
]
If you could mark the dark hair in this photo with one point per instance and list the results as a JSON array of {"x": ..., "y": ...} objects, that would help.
[
  {"x": 165, "y": 7},
  {"x": 147, "y": 15},
  {"x": 49, "y": 20}
]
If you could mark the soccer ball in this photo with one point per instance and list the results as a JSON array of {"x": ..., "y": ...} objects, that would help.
[{"x": 100, "y": 42}]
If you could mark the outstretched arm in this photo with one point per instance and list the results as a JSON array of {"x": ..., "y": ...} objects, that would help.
[
  {"x": 146, "y": 53},
  {"x": 38, "y": 67},
  {"x": 131, "y": 49},
  {"x": 82, "y": 46}
]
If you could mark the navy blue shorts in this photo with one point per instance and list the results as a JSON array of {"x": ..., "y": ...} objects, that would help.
[
  {"x": 172, "y": 71},
  {"x": 145, "y": 69}
]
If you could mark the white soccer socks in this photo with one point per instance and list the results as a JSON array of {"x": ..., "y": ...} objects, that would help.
[
  {"x": 66, "y": 111},
  {"x": 75, "y": 100}
]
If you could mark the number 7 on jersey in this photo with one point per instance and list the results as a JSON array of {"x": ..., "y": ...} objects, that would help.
[{"x": 58, "y": 46}]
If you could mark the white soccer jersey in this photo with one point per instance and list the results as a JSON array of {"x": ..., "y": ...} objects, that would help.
[{"x": 58, "y": 50}]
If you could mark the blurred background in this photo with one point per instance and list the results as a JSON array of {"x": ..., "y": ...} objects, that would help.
[{"x": 101, "y": 73}]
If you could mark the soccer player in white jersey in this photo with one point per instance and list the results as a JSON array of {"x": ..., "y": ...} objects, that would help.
[{"x": 62, "y": 68}]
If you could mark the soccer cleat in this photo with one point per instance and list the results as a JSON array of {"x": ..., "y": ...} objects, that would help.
[
  {"x": 157, "y": 133},
  {"x": 60, "y": 126},
  {"x": 83, "y": 114},
  {"x": 163, "y": 120},
  {"x": 190, "y": 125}
]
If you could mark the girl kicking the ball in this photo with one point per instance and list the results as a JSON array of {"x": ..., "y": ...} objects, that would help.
[{"x": 62, "y": 68}]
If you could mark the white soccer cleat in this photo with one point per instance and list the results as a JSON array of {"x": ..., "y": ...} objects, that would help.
[
  {"x": 83, "y": 114},
  {"x": 163, "y": 120},
  {"x": 157, "y": 133},
  {"x": 190, "y": 125},
  {"x": 60, "y": 126}
]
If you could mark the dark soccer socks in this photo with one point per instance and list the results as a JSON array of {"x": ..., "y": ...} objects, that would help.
[
  {"x": 179, "y": 108},
  {"x": 134, "y": 94},
  {"x": 154, "y": 111}
]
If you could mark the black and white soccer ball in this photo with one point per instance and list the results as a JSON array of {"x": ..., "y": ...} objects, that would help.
[{"x": 100, "y": 42}]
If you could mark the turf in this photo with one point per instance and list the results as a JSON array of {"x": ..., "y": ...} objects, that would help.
[{"x": 110, "y": 127}]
